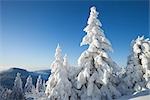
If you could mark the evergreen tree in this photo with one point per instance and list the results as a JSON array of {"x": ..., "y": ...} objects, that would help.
[
  {"x": 39, "y": 85},
  {"x": 17, "y": 91},
  {"x": 96, "y": 80},
  {"x": 58, "y": 85},
  {"x": 137, "y": 76},
  {"x": 29, "y": 86},
  {"x": 5, "y": 95}
]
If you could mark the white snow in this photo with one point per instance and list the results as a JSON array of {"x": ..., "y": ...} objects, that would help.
[{"x": 143, "y": 95}]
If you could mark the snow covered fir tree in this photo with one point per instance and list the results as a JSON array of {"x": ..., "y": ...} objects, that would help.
[
  {"x": 5, "y": 93},
  {"x": 96, "y": 80},
  {"x": 17, "y": 91},
  {"x": 39, "y": 85},
  {"x": 137, "y": 76},
  {"x": 58, "y": 85},
  {"x": 29, "y": 87}
]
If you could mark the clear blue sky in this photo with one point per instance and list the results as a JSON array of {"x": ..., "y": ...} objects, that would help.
[{"x": 31, "y": 30}]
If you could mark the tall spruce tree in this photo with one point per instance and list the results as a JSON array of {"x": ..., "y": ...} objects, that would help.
[{"x": 96, "y": 80}]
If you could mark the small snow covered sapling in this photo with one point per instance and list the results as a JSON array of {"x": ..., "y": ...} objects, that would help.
[
  {"x": 39, "y": 85},
  {"x": 29, "y": 86}
]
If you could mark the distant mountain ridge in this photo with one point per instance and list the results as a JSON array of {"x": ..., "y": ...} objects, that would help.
[{"x": 7, "y": 77}]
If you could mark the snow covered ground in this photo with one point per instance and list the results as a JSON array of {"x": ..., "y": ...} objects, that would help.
[
  {"x": 147, "y": 97},
  {"x": 144, "y": 95}
]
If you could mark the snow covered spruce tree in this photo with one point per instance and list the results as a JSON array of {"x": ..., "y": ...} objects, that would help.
[
  {"x": 5, "y": 94},
  {"x": 96, "y": 80},
  {"x": 29, "y": 87},
  {"x": 138, "y": 66},
  {"x": 58, "y": 85},
  {"x": 39, "y": 85},
  {"x": 17, "y": 91}
]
